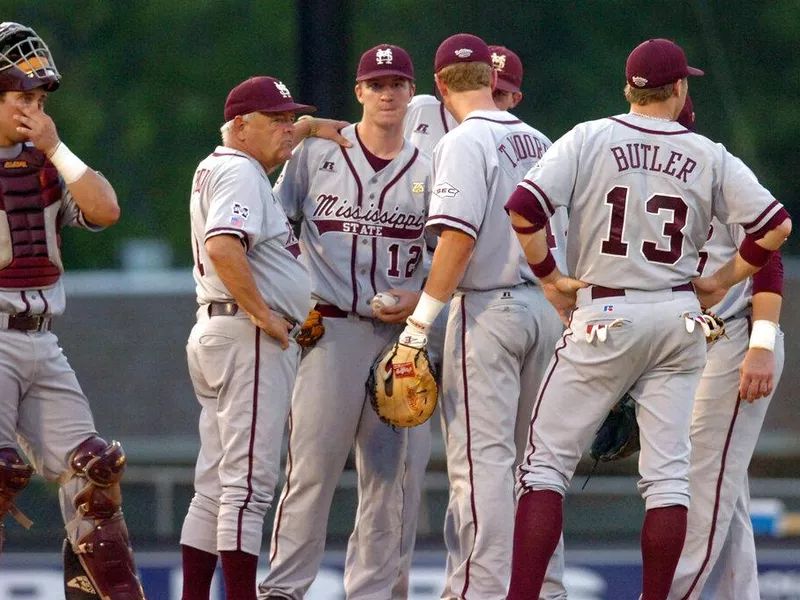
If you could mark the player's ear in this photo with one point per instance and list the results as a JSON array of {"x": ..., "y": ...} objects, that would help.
[
  {"x": 412, "y": 89},
  {"x": 440, "y": 86},
  {"x": 359, "y": 93},
  {"x": 516, "y": 99}
]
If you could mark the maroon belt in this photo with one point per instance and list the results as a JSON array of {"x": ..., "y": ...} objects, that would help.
[
  {"x": 331, "y": 311},
  {"x": 599, "y": 291},
  {"x": 29, "y": 322}
]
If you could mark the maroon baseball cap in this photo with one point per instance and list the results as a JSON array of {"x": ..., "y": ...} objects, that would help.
[
  {"x": 508, "y": 67},
  {"x": 461, "y": 48},
  {"x": 686, "y": 117},
  {"x": 656, "y": 63},
  {"x": 261, "y": 94},
  {"x": 385, "y": 59}
]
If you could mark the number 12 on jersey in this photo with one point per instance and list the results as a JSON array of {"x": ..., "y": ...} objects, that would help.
[{"x": 411, "y": 262}]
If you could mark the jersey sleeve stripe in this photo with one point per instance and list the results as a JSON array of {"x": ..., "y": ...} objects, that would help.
[
  {"x": 774, "y": 214},
  {"x": 526, "y": 204},
  {"x": 535, "y": 189},
  {"x": 229, "y": 231},
  {"x": 452, "y": 222}
]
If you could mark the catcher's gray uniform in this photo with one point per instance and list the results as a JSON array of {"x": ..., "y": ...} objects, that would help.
[
  {"x": 242, "y": 377},
  {"x": 361, "y": 234},
  {"x": 500, "y": 335},
  {"x": 723, "y": 434}
]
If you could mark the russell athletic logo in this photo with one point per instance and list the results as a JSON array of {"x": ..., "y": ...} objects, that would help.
[{"x": 335, "y": 214}]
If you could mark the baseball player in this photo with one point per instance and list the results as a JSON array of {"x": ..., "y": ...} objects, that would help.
[
  {"x": 44, "y": 186},
  {"x": 362, "y": 211},
  {"x": 253, "y": 291},
  {"x": 498, "y": 317},
  {"x": 641, "y": 191},
  {"x": 732, "y": 399}
]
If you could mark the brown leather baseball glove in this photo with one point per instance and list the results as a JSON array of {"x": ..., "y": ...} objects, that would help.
[
  {"x": 402, "y": 387},
  {"x": 312, "y": 330}
]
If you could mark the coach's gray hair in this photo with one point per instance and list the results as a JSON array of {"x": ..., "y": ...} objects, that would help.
[{"x": 227, "y": 128}]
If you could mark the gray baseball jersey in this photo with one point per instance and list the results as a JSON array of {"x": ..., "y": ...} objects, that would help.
[
  {"x": 494, "y": 150},
  {"x": 338, "y": 195},
  {"x": 232, "y": 195},
  {"x": 427, "y": 120},
  {"x": 638, "y": 235},
  {"x": 361, "y": 234}
]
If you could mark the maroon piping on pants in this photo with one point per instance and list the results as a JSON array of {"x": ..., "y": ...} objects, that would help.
[
  {"x": 289, "y": 467},
  {"x": 469, "y": 442},
  {"x": 252, "y": 443},
  {"x": 528, "y": 458},
  {"x": 720, "y": 478}
]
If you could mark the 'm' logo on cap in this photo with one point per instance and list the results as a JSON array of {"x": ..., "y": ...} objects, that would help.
[
  {"x": 639, "y": 81},
  {"x": 498, "y": 61},
  {"x": 464, "y": 53},
  {"x": 284, "y": 91},
  {"x": 384, "y": 57}
]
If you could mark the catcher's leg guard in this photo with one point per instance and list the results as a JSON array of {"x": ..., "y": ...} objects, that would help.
[
  {"x": 104, "y": 550},
  {"x": 14, "y": 477}
]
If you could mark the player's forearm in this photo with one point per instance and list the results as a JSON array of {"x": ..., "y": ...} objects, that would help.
[
  {"x": 450, "y": 260},
  {"x": 534, "y": 243},
  {"x": 96, "y": 198},
  {"x": 231, "y": 265},
  {"x": 767, "y": 307}
]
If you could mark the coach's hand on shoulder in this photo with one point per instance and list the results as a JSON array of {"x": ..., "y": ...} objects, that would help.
[
  {"x": 406, "y": 302},
  {"x": 709, "y": 291},
  {"x": 274, "y": 326},
  {"x": 562, "y": 292},
  {"x": 756, "y": 374}
]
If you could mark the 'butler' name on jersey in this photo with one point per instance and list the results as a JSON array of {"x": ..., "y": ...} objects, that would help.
[
  {"x": 339, "y": 214},
  {"x": 651, "y": 157}
]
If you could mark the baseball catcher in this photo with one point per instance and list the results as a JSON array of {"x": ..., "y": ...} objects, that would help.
[{"x": 402, "y": 385}]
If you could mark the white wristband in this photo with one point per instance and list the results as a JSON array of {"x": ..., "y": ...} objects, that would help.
[
  {"x": 70, "y": 166},
  {"x": 428, "y": 308},
  {"x": 763, "y": 335}
]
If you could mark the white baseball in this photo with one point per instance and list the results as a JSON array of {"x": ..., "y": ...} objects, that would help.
[{"x": 382, "y": 300}]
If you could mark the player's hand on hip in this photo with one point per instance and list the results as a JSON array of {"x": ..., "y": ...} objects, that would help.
[
  {"x": 562, "y": 293},
  {"x": 39, "y": 128},
  {"x": 405, "y": 301},
  {"x": 709, "y": 291},
  {"x": 275, "y": 327},
  {"x": 756, "y": 374}
]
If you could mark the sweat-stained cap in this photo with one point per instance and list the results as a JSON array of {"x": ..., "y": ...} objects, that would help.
[
  {"x": 656, "y": 63},
  {"x": 461, "y": 48},
  {"x": 508, "y": 67},
  {"x": 383, "y": 60},
  {"x": 261, "y": 94}
]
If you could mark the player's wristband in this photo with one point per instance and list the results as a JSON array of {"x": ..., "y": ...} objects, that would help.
[
  {"x": 70, "y": 166},
  {"x": 312, "y": 126},
  {"x": 763, "y": 335},
  {"x": 428, "y": 308},
  {"x": 544, "y": 268},
  {"x": 752, "y": 253}
]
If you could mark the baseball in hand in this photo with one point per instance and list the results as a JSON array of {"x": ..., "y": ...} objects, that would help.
[{"x": 382, "y": 300}]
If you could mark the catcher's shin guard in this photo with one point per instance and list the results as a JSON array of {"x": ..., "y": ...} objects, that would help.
[
  {"x": 14, "y": 477},
  {"x": 104, "y": 551}
]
